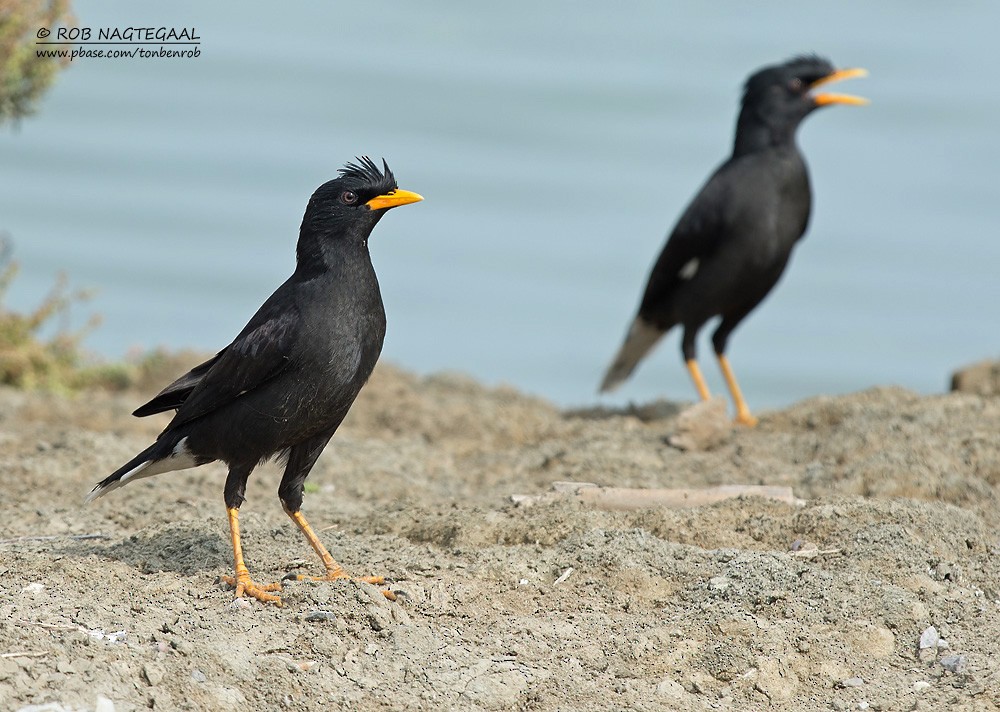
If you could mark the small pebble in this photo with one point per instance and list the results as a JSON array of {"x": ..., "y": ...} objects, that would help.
[
  {"x": 320, "y": 616},
  {"x": 943, "y": 644},
  {"x": 240, "y": 604},
  {"x": 565, "y": 575},
  {"x": 929, "y": 638},
  {"x": 718, "y": 583},
  {"x": 863, "y": 705},
  {"x": 921, "y": 685},
  {"x": 153, "y": 674},
  {"x": 104, "y": 704},
  {"x": 852, "y": 682},
  {"x": 953, "y": 663},
  {"x": 198, "y": 676}
]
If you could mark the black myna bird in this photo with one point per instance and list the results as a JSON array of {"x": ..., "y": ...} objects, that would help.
[
  {"x": 284, "y": 385},
  {"x": 733, "y": 241}
]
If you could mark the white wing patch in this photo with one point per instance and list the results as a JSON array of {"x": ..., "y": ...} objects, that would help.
[{"x": 690, "y": 269}]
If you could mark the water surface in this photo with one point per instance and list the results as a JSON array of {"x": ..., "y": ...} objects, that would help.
[{"x": 555, "y": 147}]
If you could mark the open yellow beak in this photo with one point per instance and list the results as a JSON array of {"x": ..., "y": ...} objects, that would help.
[
  {"x": 840, "y": 74},
  {"x": 393, "y": 199}
]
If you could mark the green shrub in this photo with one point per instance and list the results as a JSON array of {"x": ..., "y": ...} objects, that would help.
[{"x": 24, "y": 76}]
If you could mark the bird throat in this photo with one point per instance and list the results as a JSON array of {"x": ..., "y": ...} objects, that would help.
[{"x": 754, "y": 133}]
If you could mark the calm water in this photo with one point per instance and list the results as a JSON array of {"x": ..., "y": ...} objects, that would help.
[{"x": 554, "y": 148}]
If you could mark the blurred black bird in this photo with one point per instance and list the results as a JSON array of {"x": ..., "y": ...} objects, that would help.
[
  {"x": 733, "y": 241},
  {"x": 284, "y": 385}
]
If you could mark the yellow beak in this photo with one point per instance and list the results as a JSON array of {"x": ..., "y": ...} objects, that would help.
[
  {"x": 840, "y": 74},
  {"x": 392, "y": 199}
]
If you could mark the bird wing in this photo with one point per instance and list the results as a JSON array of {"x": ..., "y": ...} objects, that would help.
[
  {"x": 174, "y": 395},
  {"x": 699, "y": 232},
  {"x": 260, "y": 352}
]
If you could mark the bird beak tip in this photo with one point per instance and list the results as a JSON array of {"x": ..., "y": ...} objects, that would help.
[{"x": 394, "y": 199}]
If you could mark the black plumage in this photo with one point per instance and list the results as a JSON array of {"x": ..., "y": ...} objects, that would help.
[
  {"x": 732, "y": 243},
  {"x": 284, "y": 385}
]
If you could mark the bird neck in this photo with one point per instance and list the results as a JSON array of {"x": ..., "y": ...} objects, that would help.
[
  {"x": 755, "y": 133},
  {"x": 320, "y": 252}
]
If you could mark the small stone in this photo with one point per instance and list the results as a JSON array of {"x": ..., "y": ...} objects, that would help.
[
  {"x": 718, "y": 583},
  {"x": 921, "y": 685},
  {"x": 954, "y": 663},
  {"x": 103, "y": 704},
  {"x": 702, "y": 426},
  {"x": 198, "y": 676},
  {"x": 981, "y": 378},
  {"x": 943, "y": 644},
  {"x": 852, "y": 682},
  {"x": 399, "y": 615},
  {"x": 929, "y": 638},
  {"x": 863, "y": 705},
  {"x": 671, "y": 689},
  {"x": 153, "y": 674},
  {"x": 379, "y": 618},
  {"x": 240, "y": 604},
  {"x": 320, "y": 616}
]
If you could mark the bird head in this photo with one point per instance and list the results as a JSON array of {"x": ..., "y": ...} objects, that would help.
[
  {"x": 353, "y": 202},
  {"x": 778, "y": 97},
  {"x": 342, "y": 213}
]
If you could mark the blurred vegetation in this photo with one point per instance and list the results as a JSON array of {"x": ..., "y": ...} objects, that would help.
[
  {"x": 24, "y": 76},
  {"x": 37, "y": 349},
  {"x": 30, "y": 359}
]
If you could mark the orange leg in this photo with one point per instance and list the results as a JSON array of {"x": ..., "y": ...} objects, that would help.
[
  {"x": 743, "y": 416},
  {"x": 242, "y": 581},
  {"x": 334, "y": 570},
  {"x": 699, "y": 381}
]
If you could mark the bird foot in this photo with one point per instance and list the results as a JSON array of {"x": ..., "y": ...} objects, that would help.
[
  {"x": 339, "y": 574},
  {"x": 245, "y": 586},
  {"x": 746, "y": 419}
]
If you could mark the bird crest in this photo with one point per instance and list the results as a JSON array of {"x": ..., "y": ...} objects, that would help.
[{"x": 364, "y": 170}]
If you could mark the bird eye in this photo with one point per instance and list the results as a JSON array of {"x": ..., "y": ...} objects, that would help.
[
  {"x": 348, "y": 197},
  {"x": 795, "y": 84}
]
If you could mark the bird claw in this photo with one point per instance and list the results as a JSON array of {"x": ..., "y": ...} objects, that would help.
[
  {"x": 339, "y": 575},
  {"x": 746, "y": 419},
  {"x": 245, "y": 586}
]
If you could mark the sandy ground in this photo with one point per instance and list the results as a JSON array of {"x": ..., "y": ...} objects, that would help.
[{"x": 727, "y": 606}]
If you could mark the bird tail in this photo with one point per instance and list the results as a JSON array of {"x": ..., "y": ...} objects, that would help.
[
  {"x": 166, "y": 454},
  {"x": 641, "y": 337}
]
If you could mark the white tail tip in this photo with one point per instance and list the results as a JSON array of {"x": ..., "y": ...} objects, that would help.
[{"x": 642, "y": 336}]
